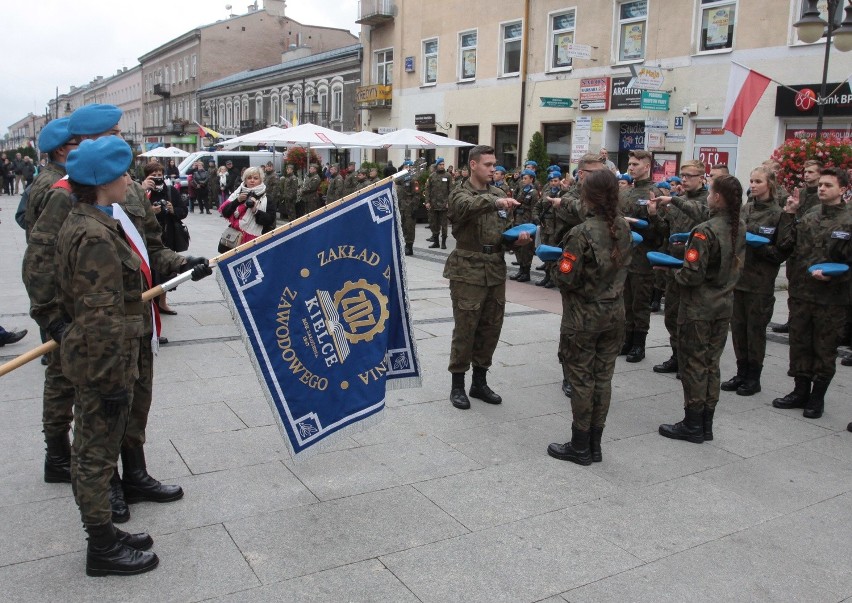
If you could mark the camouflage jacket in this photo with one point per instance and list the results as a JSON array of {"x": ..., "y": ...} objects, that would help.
[
  {"x": 405, "y": 194},
  {"x": 271, "y": 183},
  {"x": 478, "y": 228},
  {"x": 808, "y": 199},
  {"x": 681, "y": 215},
  {"x": 438, "y": 189},
  {"x": 523, "y": 214},
  {"x": 350, "y": 183},
  {"x": 591, "y": 282},
  {"x": 99, "y": 287},
  {"x": 288, "y": 188},
  {"x": 569, "y": 213},
  {"x": 823, "y": 234},
  {"x": 41, "y": 186},
  {"x": 310, "y": 188},
  {"x": 633, "y": 203},
  {"x": 335, "y": 189},
  {"x": 761, "y": 263},
  {"x": 711, "y": 269}
]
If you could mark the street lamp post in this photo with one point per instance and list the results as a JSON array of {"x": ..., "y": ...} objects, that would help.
[{"x": 810, "y": 29}]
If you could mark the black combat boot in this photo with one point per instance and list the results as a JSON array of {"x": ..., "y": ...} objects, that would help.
[
  {"x": 138, "y": 485},
  {"x": 637, "y": 352},
  {"x": 107, "y": 555},
  {"x": 734, "y": 382},
  {"x": 141, "y": 541},
  {"x": 656, "y": 298},
  {"x": 595, "y": 436},
  {"x": 796, "y": 398},
  {"x": 523, "y": 275},
  {"x": 816, "y": 401},
  {"x": 628, "y": 343},
  {"x": 690, "y": 429},
  {"x": 479, "y": 388},
  {"x": 432, "y": 239},
  {"x": 409, "y": 249},
  {"x": 57, "y": 460},
  {"x": 576, "y": 451},
  {"x": 751, "y": 385},
  {"x": 785, "y": 328},
  {"x": 435, "y": 244},
  {"x": 457, "y": 396},
  {"x": 669, "y": 366},
  {"x": 443, "y": 242},
  {"x": 120, "y": 510},
  {"x": 708, "y": 423},
  {"x": 545, "y": 281}
]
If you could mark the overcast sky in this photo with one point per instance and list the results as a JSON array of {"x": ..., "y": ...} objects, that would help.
[{"x": 50, "y": 43}]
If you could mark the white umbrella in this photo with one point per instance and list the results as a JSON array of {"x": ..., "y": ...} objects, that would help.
[
  {"x": 308, "y": 135},
  {"x": 171, "y": 152},
  {"x": 364, "y": 139},
  {"x": 416, "y": 139}
]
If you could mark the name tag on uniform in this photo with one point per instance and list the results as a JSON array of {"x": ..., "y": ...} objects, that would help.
[
  {"x": 768, "y": 230},
  {"x": 841, "y": 234},
  {"x": 443, "y": 179},
  {"x": 642, "y": 202},
  {"x": 502, "y": 213}
]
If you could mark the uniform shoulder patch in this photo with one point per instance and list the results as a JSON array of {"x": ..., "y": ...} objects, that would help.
[
  {"x": 566, "y": 265},
  {"x": 568, "y": 255},
  {"x": 63, "y": 184},
  {"x": 692, "y": 255},
  {"x": 700, "y": 235}
]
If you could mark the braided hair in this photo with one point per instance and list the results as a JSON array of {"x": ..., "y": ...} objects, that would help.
[
  {"x": 600, "y": 194},
  {"x": 731, "y": 192}
]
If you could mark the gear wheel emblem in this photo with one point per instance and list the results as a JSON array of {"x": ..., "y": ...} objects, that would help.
[{"x": 363, "y": 310}]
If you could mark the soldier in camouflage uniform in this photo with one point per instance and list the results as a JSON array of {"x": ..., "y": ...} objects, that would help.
[
  {"x": 591, "y": 275},
  {"x": 99, "y": 291},
  {"x": 407, "y": 199},
  {"x": 309, "y": 192},
  {"x": 817, "y": 302},
  {"x": 476, "y": 270},
  {"x": 754, "y": 295},
  {"x": 438, "y": 188},
  {"x": 361, "y": 180},
  {"x": 640, "y": 276},
  {"x": 335, "y": 186},
  {"x": 500, "y": 180},
  {"x": 543, "y": 216},
  {"x": 212, "y": 186},
  {"x": 713, "y": 261},
  {"x": 350, "y": 183},
  {"x": 678, "y": 214},
  {"x": 288, "y": 191},
  {"x": 55, "y": 140},
  {"x": 270, "y": 180},
  {"x": 523, "y": 215}
]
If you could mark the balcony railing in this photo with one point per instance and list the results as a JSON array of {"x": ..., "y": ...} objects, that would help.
[{"x": 376, "y": 12}]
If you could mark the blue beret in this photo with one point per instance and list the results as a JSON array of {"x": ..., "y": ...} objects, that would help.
[
  {"x": 93, "y": 119},
  {"x": 530, "y": 162},
  {"x": 627, "y": 178},
  {"x": 528, "y": 173},
  {"x": 674, "y": 179},
  {"x": 54, "y": 135},
  {"x": 439, "y": 160},
  {"x": 407, "y": 162},
  {"x": 553, "y": 175},
  {"x": 664, "y": 185},
  {"x": 500, "y": 168},
  {"x": 99, "y": 161},
  {"x": 554, "y": 168}
]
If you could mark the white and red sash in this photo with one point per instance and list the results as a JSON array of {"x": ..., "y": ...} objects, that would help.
[{"x": 138, "y": 246}]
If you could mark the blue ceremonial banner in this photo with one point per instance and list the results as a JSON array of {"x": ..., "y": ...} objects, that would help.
[{"x": 323, "y": 310}]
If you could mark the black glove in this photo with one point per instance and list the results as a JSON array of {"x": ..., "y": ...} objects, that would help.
[
  {"x": 57, "y": 329},
  {"x": 114, "y": 402},
  {"x": 199, "y": 267}
]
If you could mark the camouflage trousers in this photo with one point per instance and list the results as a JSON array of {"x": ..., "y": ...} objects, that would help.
[
  {"x": 589, "y": 367},
  {"x": 752, "y": 312},
  {"x": 143, "y": 388},
  {"x": 96, "y": 446},
  {"x": 438, "y": 222},
  {"x": 408, "y": 222},
  {"x": 700, "y": 346},
  {"x": 672, "y": 307},
  {"x": 312, "y": 204},
  {"x": 637, "y": 301},
  {"x": 524, "y": 254},
  {"x": 814, "y": 331},
  {"x": 478, "y": 317},
  {"x": 287, "y": 209},
  {"x": 57, "y": 410}
]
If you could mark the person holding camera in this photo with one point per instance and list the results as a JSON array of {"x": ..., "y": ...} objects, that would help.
[
  {"x": 248, "y": 209},
  {"x": 170, "y": 209}
]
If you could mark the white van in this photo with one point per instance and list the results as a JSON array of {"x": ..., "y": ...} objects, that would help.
[{"x": 240, "y": 160}]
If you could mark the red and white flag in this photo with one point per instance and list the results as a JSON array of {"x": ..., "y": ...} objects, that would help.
[{"x": 745, "y": 87}]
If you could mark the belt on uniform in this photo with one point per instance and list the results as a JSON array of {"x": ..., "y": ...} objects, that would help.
[{"x": 481, "y": 248}]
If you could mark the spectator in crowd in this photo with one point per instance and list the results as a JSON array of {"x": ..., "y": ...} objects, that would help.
[{"x": 248, "y": 209}]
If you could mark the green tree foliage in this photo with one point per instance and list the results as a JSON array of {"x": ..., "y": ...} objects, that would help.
[{"x": 538, "y": 152}]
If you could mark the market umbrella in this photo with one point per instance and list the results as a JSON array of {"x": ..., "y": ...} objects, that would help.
[
  {"x": 364, "y": 139},
  {"x": 171, "y": 152},
  {"x": 416, "y": 139},
  {"x": 306, "y": 135}
]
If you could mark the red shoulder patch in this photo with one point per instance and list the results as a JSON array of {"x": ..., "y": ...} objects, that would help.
[
  {"x": 63, "y": 183},
  {"x": 569, "y": 255},
  {"x": 700, "y": 235},
  {"x": 692, "y": 255},
  {"x": 565, "y": 266}
]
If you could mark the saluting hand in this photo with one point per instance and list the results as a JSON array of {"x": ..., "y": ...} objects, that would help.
[
  {"x": 792, "y": 205},
  {"x": 507, "y": 203}
]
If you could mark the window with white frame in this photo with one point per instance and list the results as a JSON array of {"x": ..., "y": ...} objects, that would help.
[
  {"x": 194, "y": 65},
  {"x": 632, "y": 26},
  {"x": 323, "y": 101},
  {"x": 185, "y": 68},
  {"x": 258, "y": 108},
  {"x": 337, "y": 104},
  {"x": 822, "y": 6},
  {"x": 384, "y": 67},
  {"x": 174, "y": 74},
  {"x": 166, "y": 76},
  {"x": 275, "y": 116},
  {"x": 430, "y": 61},
  {"x": 717, "y": 24},
  {"x": 467, "y": 55},
  {"x": 510, "y": 44},
  {"x": 180, "y": 73},
  {"x": 561, "y": 37}
]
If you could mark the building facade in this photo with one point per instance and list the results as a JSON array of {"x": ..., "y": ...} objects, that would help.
[
  {"x": 497, "y": 75},
  {"x": 173, "y": 73}
]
